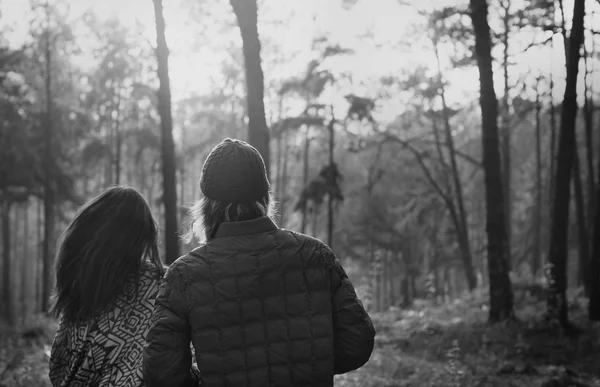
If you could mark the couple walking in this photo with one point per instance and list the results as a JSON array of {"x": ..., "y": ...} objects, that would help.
[{"x": 258, "y": 305}]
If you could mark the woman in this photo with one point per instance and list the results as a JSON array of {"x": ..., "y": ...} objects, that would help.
[
  {"x": 261, "y": 305},
  {"x": 107, "y": 276}
]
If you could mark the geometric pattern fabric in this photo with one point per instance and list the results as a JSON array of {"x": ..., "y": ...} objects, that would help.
[{"x": 107, "y": 350}]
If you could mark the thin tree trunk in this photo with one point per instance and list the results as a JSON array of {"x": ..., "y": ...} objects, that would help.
[
  {"x": 462, "y": 229},
  {"x": 315, "y": 219},
  {"x": 279, "y": 162},
  {"x": 7, "y": 263},
  {"x": 118, "y": 140},
  {"x": 49, "y": 200},
  {"x": 557, "y": 300},
  {"x": 552, "y": 172},
  {"x": 182, "y": 171},
  {"x": 332, "y": 183},
  {"x": 169, "y": 194},
  {"x": 382, "y": 280},
  {"x": 246, "y": 12},
  {"x": 39, "y": 256},
  {"x": 27, "y": 272},
  {"x": 501, "y": 299},
  {"x": 594, "y": 304},
  {"x": 582, "y": 233},
  {"x": 537, "y": 246},
  {"x": 407, "y": 254},
  {"x": 588, "y": 109},
  {"x": 284, "y": 183},
  {"x": 305, "y": 179},
  {"x": 506, "y": 138}
]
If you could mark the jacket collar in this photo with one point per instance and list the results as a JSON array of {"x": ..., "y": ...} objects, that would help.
[{"x": 247, "y": 227}]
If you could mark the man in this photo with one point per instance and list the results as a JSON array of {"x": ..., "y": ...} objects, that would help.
[{"x": 261, "y": 305}]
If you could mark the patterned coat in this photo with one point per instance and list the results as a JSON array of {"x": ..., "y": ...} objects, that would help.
[
  {"x": 107, "y": 351},
  {"x": 263, "y": 307}
]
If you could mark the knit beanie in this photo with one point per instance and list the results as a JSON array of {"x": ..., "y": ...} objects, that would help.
[{"x": 234, "y": 172}]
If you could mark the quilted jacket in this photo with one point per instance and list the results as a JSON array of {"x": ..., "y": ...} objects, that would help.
[{"x": 262, "y": 306}]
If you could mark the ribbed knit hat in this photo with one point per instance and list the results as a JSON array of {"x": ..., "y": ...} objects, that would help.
[{"x": 234, "y": 172}]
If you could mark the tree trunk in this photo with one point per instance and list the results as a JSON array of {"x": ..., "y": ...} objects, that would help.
[
  {"x": 588, "y": 108},
  {"x": 49, "y": 199},
  {"x": 284, "y": 179},
  {"x": 246, "y": 12},
  {"x": 305, "y": 179},
  {"x": 536, "y": 259},
  {"x": 552, "y": 172},
  {"x": 6, "y": 263},
  {"x": 407, "y": 255},
  {"x": 557, "y": 300},
  {"x": 39, "y": 262},
  {"x": 332, "y": 183},
  {"x": 182, "y": 172},
  {"x": 451, "y": 201},
  {"x": 501, "y": 299},
  {"x": 27, "y": 272},
  {"x": 506, "y": 140},
  {"x": 315, "y": 218},
  {"x": 582, "y": 231},
  {"x": 279, "y": 161},
  {"x": 463, "y": 228},
  {"x": 118, "y": 141},
  {"x": 594, "y": 304},
  {"x": 279, "y": 164},
  {"x": 169, "y": 195}
]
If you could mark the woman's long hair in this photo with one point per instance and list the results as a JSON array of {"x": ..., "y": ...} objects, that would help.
[
  {"x": 112, "y": 238},
  {"x": 206, "y": 215}
]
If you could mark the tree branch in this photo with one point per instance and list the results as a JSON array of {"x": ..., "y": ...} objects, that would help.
[
  {"x": 420, "y": 159},
  {"x": 460, "y": 153},
  {"x": 535, "y": 44}
]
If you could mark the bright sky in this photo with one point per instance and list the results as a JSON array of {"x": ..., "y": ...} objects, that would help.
[{"x": 193, "y": 67}]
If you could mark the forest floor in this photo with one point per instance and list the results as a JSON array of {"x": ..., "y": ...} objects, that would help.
[{"x": 432, "y": 346}]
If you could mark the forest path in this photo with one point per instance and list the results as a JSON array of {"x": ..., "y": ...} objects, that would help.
[
  {"x": 452, "y": 345},
  {"x": 430, "y": 346}
]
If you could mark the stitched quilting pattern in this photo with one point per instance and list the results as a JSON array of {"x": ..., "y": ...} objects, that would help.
[{"x": 260, "y": 310}]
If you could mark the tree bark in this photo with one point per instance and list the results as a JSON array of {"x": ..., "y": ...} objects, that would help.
[
  {"x": 6, "y": 263},
  {"x": 169, "y": 196},
  {"x": 557, "y": 301},
  {"x": 40, "y": 254},
  {"x": 315, "y": 218},
  {"x": 49, "y": 195},
  {"x": 501, "y": 299},
  {"x": 552, "y": 172},
  {"x": 27, "y": 272},
  {"x": 506, "y": 138},
  {"x": 588, "y": 108},
  {"x": 582, "y": 230},
  {"x": 594, "y": 304},
  {"x": 246, "y": 12},
  {"x": 463, "y": 228},
  {"x": 536, "y": 259},
  {"x": 330, "y": 198},
  {"x": 118, "y": 140},
  {"x": 284, "y": 179},
  {"x": 305, "y": 179}
]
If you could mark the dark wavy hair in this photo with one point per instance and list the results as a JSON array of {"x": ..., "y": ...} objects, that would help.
[{"x": 112, "y": 239}]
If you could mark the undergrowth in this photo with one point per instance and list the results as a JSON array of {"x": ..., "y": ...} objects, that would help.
[{"x": 429, "y": 345}]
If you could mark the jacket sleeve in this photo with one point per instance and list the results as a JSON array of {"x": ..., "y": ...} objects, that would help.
[
  {"x": 167, "y": 355},
  {"x": 354, "y": 333}
]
